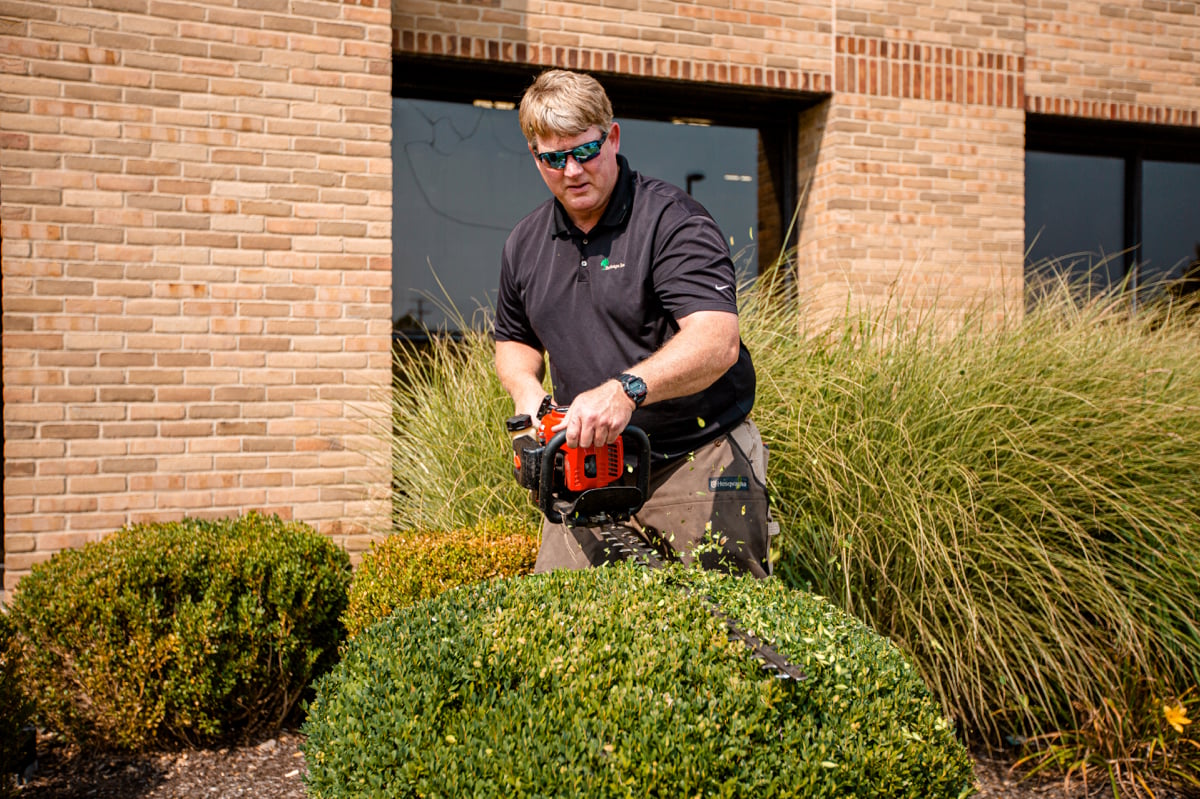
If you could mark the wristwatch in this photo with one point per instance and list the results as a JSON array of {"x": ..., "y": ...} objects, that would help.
[{"x": 635, "y": 387}]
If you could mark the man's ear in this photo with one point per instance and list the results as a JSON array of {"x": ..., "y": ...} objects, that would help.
[{"x": 614, "y": 137}]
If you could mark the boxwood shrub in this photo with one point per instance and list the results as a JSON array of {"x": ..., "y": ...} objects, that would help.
[
  {"x": 186, "y": 631},
  {"x": 618, "y": 682},
  {"x": 407, "y": 567},
  {"x": 15, "y": 709}
]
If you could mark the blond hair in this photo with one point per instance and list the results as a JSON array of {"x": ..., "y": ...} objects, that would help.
[{"x": 563, "y": 103}]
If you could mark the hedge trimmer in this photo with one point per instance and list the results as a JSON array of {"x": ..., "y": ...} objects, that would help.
[{"x": 577, "y": 487}]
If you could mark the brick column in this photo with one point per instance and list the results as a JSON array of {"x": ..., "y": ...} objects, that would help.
[
  {"x": 196, "y": 265},
  {"x": 915, "y": 166}
]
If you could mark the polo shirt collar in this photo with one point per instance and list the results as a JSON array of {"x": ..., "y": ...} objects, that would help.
[{"x": 616, "y": 213}]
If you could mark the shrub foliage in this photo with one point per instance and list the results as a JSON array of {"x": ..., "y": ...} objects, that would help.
[
  {"x": 181, "y": 631},
  {"x": 408, "y": 567},
  {"x": 16, "y": 713},
  {"x": 618, "y": 682}
]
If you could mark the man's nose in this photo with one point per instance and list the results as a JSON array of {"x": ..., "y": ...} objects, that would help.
[{"x": 573, "y": 167}]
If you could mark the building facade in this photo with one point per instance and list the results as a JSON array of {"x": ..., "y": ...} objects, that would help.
[{"x": 197, "y": 201}]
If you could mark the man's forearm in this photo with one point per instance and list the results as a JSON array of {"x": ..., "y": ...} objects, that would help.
[
  {"x": 705, "y": 347},
  {"x": 522, "y": 370}
]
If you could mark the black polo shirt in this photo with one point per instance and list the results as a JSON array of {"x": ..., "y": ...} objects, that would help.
[{"x": 601, "y": 302}]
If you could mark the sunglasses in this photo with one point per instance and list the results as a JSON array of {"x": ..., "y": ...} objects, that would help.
[{"x": 582, "y": 154}]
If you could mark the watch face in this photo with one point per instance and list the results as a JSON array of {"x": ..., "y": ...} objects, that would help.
[{"x": 635, "y": 387}]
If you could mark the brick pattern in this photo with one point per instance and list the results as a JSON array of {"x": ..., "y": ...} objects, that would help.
[
  {"x": 929, "y": 72},
  {"x": 1114, "y": 111},
  {"x": 913, "y": 200},
  {"x": 196, "y": 264},
  {"x": 987, "y": 25},
  {"x": 915, "y": 165},
  {"x": 197, "y": 202},
  {"x": 885, "y": 195},
  {"x": 746, "y": 42},
  {"x": 1136, "y": 62}
]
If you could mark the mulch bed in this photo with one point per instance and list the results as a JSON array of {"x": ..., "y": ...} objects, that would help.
[
  {"x": 265, "y": 769},
  {"x": 273, "y": 768}
]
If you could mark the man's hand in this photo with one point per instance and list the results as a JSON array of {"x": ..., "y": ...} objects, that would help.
[{"x": 597, "y": 417}]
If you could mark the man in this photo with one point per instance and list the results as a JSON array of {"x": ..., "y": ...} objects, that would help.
[{"x": 626, "y": 282}]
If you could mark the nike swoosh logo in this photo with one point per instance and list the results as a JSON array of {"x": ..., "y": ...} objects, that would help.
[{"x": 721, "y": 288}]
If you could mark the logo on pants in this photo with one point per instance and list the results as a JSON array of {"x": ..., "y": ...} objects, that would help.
[{"x": 738, "y": 483}]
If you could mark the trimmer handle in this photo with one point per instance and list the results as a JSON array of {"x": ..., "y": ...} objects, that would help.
[{"x": 615, "y": 501}]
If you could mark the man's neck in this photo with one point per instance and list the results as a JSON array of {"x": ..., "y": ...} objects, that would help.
[
  {"x": 588, "y": 222},
  {"x": 585, "y": 227}
]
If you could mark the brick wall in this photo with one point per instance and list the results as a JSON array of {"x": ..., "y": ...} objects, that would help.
[
  {"x": 1098, "y": 59},
  {"x": 196, "y": 205},
  {"x": 916, "y": 159},
  {"x": 917, "y": 176},
  {"x": 196, "y": 264},
  {"x": 773, "y": 44},
  {"x": 912, "y": 201}
]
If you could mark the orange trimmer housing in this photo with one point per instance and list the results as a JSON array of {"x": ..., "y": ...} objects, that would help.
[{"x": 584, "y": 467}]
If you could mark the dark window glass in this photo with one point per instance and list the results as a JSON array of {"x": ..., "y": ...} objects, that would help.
[
  {"x": 1074, "y": 216},
  {"x": 1149, "y": 233},
  {"x": 463, "y": 176},
  {"x": 717, "y": 165},
  {"x": 1171, "y": 221}
]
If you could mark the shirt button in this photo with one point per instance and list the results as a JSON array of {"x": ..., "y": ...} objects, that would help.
[
  {"x": 585, "y": 241},
  {"x": 583, "y": 262}
]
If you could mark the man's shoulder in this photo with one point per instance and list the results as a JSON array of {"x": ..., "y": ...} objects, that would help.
[
  {"x": 666, "y": 197},
  {"x": 533, "y": 230},
  {"x": 658, "y": 189},
  {"x": 540, "y": 218}
]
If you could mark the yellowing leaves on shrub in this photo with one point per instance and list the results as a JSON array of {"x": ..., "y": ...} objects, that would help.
[
  {"x": 1176, "y": 716},
  {"x": 411, "y": 566}
]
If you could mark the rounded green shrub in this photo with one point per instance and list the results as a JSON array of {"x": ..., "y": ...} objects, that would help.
[
  {"x": 185, "y": 631},
  {"x": 407, "y": 567},
  {"x": 619, "y": 682},
  {"x": 15, "y": 709}
]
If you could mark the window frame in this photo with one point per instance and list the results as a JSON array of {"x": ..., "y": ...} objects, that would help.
[{"x": 1134, "y": 143}]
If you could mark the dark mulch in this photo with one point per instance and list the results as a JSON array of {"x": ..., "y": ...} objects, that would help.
[
  {"x": 264, "y": 769},
  {"x": 272, "y": 768}
]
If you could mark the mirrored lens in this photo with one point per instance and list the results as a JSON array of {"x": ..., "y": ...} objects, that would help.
[{"x": 582, "y": 154}]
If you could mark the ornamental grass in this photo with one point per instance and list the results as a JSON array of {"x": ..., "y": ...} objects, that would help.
[{"x": 1012, "y": 502}]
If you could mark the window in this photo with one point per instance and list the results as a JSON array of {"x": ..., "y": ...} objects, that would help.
[
  {"x": 1074, "y": 215},
  {"x": 1118, "y": 203},
  {"x": 1171, "y": 219},
  {"x": 463, "y": 175}
]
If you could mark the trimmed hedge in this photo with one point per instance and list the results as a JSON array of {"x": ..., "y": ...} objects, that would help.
[
  {"x": 408, "y": 567},
  {"x": 15, "y": 711},
  {"x": 618, "y": 682},
  {"x": 186, "y": 631}
]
